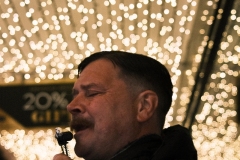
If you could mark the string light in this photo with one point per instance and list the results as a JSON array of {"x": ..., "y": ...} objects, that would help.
[
  {"x": 56, "y": 43},
  {"x": 215, "y": 130},
  {"x": 34, "y": 144}
]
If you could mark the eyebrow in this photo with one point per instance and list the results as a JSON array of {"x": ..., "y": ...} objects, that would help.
[{"x": 88, "y": 86}]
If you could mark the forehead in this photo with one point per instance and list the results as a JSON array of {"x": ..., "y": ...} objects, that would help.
[{"x": 101, "y": 70}]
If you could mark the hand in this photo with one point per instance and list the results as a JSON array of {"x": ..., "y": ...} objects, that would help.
[{"x": 61, "y": 156}]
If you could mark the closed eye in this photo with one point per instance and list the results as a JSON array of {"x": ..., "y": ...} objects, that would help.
[{"x": 92, "y": 93}]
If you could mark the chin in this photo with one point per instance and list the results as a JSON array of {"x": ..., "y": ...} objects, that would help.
[
  {"x": 78, "y": 151},
  {"x": 82, "y": 151}
]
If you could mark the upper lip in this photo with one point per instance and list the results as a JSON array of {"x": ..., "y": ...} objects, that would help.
[{"x": 79, "y": 124}]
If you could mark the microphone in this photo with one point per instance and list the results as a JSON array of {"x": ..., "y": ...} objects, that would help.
[{"x": 63, "y": 138}]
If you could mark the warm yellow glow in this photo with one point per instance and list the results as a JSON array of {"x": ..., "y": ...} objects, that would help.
[
  {"x": 53, "y": 55},
  {"x": 33, "y": 145}
]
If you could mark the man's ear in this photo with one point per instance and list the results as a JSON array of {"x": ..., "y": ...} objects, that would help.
[{"x": 147, "y": 104}]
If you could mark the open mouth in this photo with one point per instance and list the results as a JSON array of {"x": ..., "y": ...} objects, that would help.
[
  {"x": 80, "y": 124},
  {"x": 79, "y": 128}
]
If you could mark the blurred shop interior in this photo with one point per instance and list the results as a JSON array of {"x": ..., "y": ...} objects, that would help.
[{"x": 43, "y": 41}]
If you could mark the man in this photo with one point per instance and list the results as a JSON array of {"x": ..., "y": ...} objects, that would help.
[{"x": 119, "y": 108}]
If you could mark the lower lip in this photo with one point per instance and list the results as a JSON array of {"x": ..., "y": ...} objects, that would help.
[{"x": 79, "y": 132}]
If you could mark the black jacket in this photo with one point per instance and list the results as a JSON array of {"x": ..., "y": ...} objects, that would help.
[{"x": 174, "y": 144}]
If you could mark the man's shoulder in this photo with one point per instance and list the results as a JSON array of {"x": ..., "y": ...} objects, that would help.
[
  {"x": 141, "y": 149},
  {"x": 176, "y": 144}
]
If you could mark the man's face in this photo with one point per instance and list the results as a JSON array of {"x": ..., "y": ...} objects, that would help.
[{"x": 103, "y": 112}]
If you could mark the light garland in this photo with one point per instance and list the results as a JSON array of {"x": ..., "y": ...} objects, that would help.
[
  {"x": 55, "y": 33},
  {"x": 215, "y": 130},
  {"x": 32, "y": 145}
]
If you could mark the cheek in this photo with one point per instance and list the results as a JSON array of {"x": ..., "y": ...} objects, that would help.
[
  {"x": 107, "y": 115},
  {"x": 100, "y": 110},
  {"x": 111, "y": 111}
]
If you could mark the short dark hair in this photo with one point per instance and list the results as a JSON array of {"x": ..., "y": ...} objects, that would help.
[{"x": 141, "y": 70}]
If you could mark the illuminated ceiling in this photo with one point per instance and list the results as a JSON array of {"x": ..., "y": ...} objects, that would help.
[
  {"x": 42, "y": 41},
  {"x": 47, "y": 39}
]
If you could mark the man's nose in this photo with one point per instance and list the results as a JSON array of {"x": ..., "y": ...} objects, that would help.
[{"x": 76, "y": 106}]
